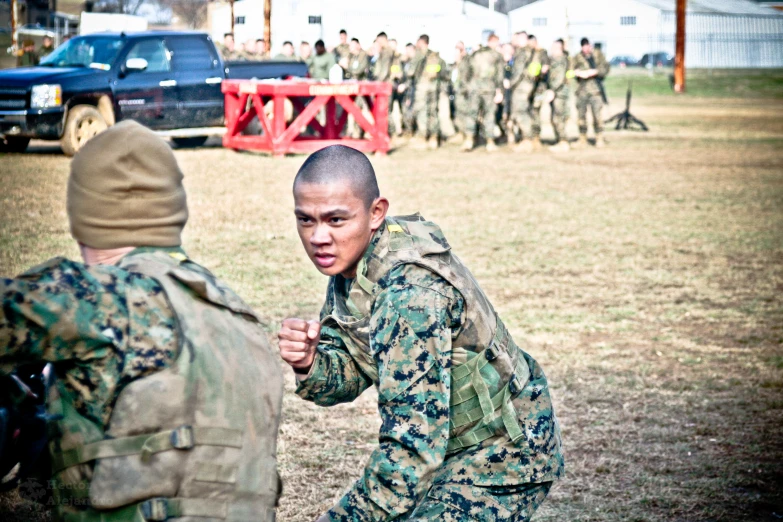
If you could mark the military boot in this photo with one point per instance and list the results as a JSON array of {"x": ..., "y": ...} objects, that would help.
[
  {"x": 560, "y": 146},
  {"x": 432, "y": 144},
  {"x": 599, "y": 141},
  {"x": 536, "y": 143},
  {"x": 525, "y": 145},
  {"x": 491, "y": 147},
  {"x": 467, "y": 145},
  {"x": 582, "y": 142}
]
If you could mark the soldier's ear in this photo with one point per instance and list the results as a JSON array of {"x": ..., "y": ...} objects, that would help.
[{"x": 378, "y": 211}]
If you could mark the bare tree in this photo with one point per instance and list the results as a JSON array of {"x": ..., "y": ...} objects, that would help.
[
  {"x": 119, "y": 6},
  {"x": 191, "y": 12}
]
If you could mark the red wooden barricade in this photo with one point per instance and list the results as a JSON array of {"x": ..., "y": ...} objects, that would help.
[{"x": 246, "y": 99}]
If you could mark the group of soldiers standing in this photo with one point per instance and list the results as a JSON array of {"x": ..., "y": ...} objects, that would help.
[
  {"x": 28, "y": 55},
  {"x": 492, "y": 92}
]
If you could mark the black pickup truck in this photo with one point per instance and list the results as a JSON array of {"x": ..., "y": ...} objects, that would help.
[{"x": 168, "y": 81}]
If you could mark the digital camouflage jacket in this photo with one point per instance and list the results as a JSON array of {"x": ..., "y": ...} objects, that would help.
[{"x": 460, "y": 403}]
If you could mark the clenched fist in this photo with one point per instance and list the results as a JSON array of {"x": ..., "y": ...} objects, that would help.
[{"x": 297, "y": 340}]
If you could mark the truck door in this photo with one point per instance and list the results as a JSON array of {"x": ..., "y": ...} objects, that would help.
[
  {"x": 147, "y": 94},
  {"x": 198, "y": 73}
]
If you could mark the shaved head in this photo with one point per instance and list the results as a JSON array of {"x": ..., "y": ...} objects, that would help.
[{"x": 343, "y": 165}]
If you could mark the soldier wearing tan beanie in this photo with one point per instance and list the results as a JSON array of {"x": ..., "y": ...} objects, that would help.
[
  {"x": 161, "y": 368},
  {"x": 125, "y": 190}
]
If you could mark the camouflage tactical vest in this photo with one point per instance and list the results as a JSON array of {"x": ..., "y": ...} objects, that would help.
[
  {"x": 194, "y": 442},
  {"x": 488, "y": 371}
]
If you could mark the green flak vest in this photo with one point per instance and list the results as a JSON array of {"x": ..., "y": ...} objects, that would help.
[
  {"x": 488, "y": 371},
  {"x": 195, "y": 442}
]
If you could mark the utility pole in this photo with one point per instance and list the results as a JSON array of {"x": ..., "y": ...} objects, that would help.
[
  {"x": 14, "y": 25},
  {"x": 231, "y": 3},
  {"x": 268, "y": 24},
  {"x": 679, "y": 52}
]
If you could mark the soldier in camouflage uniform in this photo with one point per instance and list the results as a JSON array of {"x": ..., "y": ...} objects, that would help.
[
  {"x": 560, "y": 74},
  {"x": 590, "y": 67},
  {"x": 428, "y": 74},
  {"x": 525, "y": 77},
  {"x": 168, "y": 396},
  {"x": 387, "y": 68},
  {"x": 228, "y": 49},
  {"x": 343, "y": 49},
  {"x": 539, "y": 94},
  {"x": 485, "y": 74},
  {"x": 357, "y": 67},
  {"x": 468, "y": 432},
  {"x": 460, "y": 72}
]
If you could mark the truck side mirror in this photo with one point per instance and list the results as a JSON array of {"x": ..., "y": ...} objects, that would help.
[{"x": 136, "y": 64}]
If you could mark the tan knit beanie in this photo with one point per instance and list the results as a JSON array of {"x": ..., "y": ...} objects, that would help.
[{"x": 125, "y": 189}]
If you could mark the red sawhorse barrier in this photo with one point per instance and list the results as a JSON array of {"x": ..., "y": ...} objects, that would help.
[{"x": 247, "y": 99}]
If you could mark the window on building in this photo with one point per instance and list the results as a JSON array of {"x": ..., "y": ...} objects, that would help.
[
  {"x": 627, "y": 20},
  {"x": 240, "y": 20},
  {"x": 539, "y": 22}
]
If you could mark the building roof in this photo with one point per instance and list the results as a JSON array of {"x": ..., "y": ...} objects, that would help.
[{"x": 741, "y": 7}]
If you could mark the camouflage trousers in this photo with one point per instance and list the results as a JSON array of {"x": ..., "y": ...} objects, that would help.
[
  {"x": 460, "y": 503},
  {"x": 560, "y": 113},
  {"x": 523, "y": 113},
  {"x": 481, "y": 102},
  {"x": 425, "y": 110},
  {"x": 585, "y": 100},
  {"x": 461, "y": 107}
]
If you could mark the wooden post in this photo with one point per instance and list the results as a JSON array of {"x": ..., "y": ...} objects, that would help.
[
  {"x": 268, "y": 24},
  {"x": 231, "y": 3},
  {"x": 14, "y": 25},
  {"x": 679, "y": 53}
]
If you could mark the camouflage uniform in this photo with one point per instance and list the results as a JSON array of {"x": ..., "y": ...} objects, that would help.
[
  {"x": 525, "y": 77},
  {"x": 44, "y": 51},
  {"x": 588, "y": 92},
  {"x": 486, "y": 77},
  {"x": 428, "y": 70},
  {"x": 132, "y": 345},
  {"x": 358, "y": 69},
  {"x": 387, "y": 68},
  {"x": 230, "y": 56},
  {"x": 460, "y": 75},
  {"x": 342, "y": 51},
  {"x": 559, "y": 76},
  {"x": 542, "y": 57},
  {"x": 415, "y": 324}
]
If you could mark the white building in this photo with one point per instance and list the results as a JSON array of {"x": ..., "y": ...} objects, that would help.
[
  {"x": 445, "y": 21},
  {"x": 720, "y": 33}
]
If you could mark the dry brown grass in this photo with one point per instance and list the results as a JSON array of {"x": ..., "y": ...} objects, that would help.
[{"x": 648, "y": 278}]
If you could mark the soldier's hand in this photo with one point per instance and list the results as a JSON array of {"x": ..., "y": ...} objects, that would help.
[
  {"x": 498, "y": 96},
  {"x": 401, "y": 88},
  {"x": 297, "y": 341},
  {"x": 506, "y": 83}
]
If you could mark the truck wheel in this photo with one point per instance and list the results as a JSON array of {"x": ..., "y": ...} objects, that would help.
[
  {"x": 84, "y": 123},
  {"x": 14, "y": 144},
  {"x": 189, "y": 143}
]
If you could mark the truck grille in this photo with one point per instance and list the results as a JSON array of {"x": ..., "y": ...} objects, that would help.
[{"x": 12, "y": 98}]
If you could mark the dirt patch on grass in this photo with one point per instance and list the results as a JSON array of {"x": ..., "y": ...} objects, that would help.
[{"x": 647, "y": 278}]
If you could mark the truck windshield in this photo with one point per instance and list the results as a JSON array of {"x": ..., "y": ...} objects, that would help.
[{"x": 97, "y": 52}]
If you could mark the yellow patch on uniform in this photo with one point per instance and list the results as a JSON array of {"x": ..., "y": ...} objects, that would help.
[
  {"x": 534, "y": 69},
  {"x": 395, "y": 228},
  {"x": 396, "y": 68},
  {"x": 179, "y": 256},
  {"x": 570, "y": 74},
  {"x": 433, "y": 68}
]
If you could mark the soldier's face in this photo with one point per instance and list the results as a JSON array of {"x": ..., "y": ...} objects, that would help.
[{"x": 335, "y": 225}]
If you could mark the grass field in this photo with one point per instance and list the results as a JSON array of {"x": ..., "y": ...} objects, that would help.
[{"x": 647, "y": 279}]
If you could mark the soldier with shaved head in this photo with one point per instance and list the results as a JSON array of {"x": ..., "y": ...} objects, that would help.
[{"x": 467, "y": 432}]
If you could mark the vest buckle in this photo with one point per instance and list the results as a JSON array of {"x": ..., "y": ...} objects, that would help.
[
  {"x": 155, "y": 509},
  {"x": 514, "y": 385},
  {"x": 491, "y": 352},
  {"x": 182, "y": 438}
]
